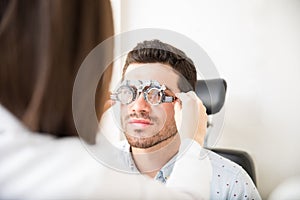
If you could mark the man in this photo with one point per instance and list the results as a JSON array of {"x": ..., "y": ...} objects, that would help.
[{"x": 157, "y": 88}]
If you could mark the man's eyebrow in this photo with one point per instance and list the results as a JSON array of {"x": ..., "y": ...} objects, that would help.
[{"x": 168, "y": 90}]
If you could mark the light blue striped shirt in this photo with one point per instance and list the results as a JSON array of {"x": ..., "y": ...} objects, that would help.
[{"x": 229, "y": 180}]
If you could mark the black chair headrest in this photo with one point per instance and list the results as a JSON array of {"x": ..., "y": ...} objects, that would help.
[{"x": 212, "y": 92}]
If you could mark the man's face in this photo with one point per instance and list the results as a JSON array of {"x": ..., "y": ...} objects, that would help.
[{"x": 146, "y": 125}]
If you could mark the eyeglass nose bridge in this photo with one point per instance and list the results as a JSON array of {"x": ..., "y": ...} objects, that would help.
[{"x": 137, "y": 94}]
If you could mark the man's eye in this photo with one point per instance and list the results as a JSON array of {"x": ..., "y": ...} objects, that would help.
[
  {"x": 154, "y": 96},
  {"x": 125, "y": 92}
]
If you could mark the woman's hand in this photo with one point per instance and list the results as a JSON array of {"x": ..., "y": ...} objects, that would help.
[{"x": 190, "y": 116}]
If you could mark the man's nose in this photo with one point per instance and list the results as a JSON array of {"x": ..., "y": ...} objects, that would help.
[{"x": 140, "y": 104}]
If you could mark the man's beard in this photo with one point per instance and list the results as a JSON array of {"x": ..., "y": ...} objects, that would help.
[{"x": 168, "y": 131}]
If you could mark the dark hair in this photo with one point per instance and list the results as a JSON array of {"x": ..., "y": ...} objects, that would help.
[
  {"x": 42, "y": 44},
  {"x": 155, "y": 51}
]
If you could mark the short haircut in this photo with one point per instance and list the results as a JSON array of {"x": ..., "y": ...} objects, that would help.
[{"x": 155, "y": 51}]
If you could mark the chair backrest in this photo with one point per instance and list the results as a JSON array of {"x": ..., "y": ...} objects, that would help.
[{"x": 212, "y": 92}]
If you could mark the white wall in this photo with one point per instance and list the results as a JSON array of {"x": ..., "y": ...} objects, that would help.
[{"x": 255, "y": 46}]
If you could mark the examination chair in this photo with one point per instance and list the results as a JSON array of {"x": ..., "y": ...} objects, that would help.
[{"x": 212, "y": 92}]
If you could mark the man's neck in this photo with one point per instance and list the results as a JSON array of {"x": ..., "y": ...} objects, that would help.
[{"x": 149, "y": 161}]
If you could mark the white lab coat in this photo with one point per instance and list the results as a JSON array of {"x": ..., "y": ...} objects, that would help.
[{"x": 36, "y": 166}]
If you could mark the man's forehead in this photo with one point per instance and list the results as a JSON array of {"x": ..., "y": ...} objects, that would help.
[
  {"x": 161, "y": 73},
  {"x": 144, "y": 83},
  {"x": 148, "y": 66}
]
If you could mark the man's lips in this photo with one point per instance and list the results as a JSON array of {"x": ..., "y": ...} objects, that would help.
[{"x": 140, "y": 122}]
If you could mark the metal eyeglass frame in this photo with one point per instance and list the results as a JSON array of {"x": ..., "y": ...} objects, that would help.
[{"x": 135, "y": 87}]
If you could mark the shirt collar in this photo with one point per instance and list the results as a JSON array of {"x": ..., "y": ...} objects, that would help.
[{"x": 162, "y": 175}]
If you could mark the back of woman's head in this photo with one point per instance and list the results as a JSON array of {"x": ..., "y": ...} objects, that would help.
[{"x": 42, "y": 46}]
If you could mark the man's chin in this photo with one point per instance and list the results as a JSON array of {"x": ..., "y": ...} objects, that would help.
[
  {"x": 141, "y": 134},
  {"x": 145, "y": 143},
  {"x": 139, "y": 143}
]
